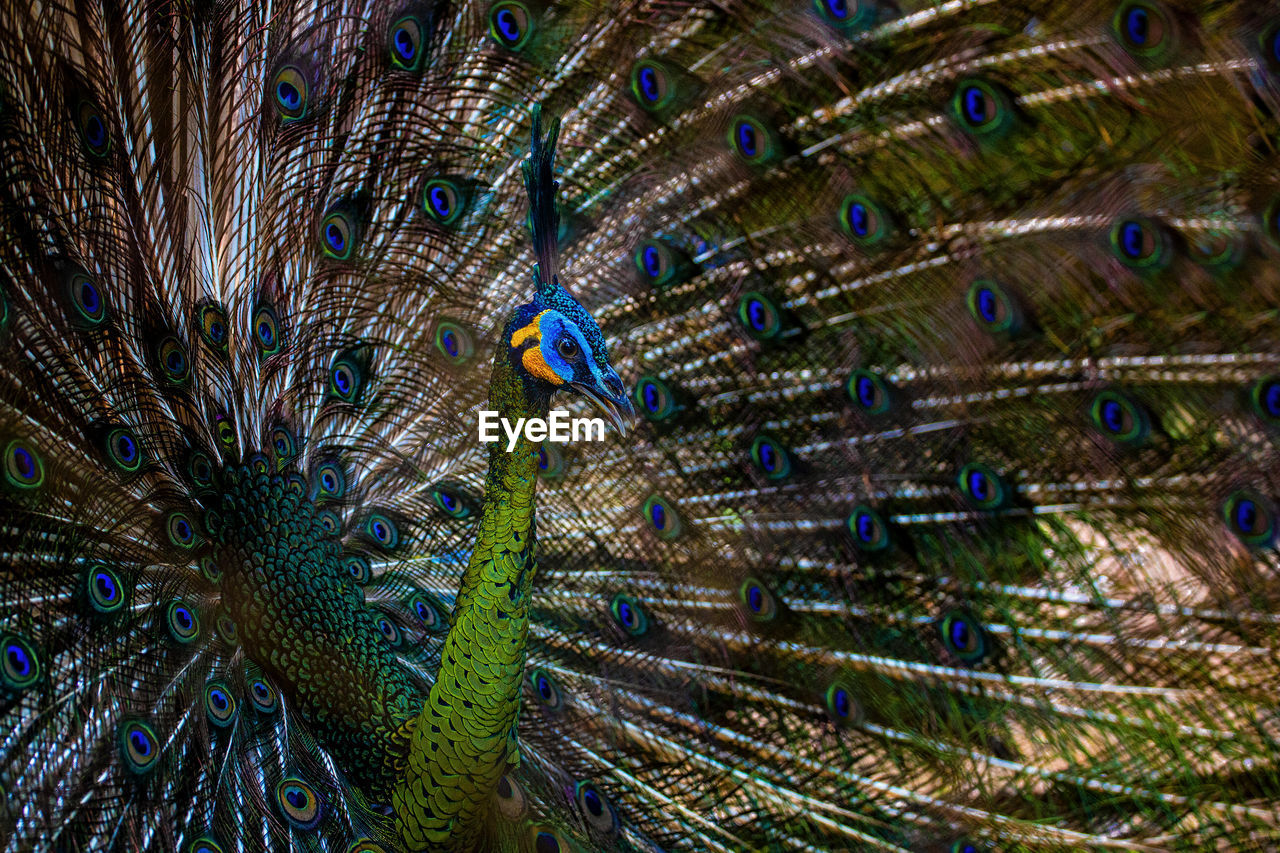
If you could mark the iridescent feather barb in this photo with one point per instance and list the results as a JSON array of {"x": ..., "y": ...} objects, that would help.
[{"x": 950, "y": 525}]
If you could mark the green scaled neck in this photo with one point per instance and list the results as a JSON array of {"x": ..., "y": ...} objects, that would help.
[{"x": 460, "y": 745}]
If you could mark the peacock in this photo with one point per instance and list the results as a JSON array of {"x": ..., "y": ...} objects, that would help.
[{"x": 937, "y": 342}]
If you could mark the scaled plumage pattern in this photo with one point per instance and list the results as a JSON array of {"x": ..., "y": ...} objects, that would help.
[{"x": 948, "y": 523}]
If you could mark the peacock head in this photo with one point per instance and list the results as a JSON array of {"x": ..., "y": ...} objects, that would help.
[
  {"x": 557, "y": 345},
  {"x": 553, "y": 341}
]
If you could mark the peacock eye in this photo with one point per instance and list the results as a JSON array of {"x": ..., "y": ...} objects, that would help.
[
  {"x": 139, "y": 746},
  {"x": 870, "y": 532},
  {"x": 290, "y": 92},
  {"x": 20, "y": 665},
  {"x": 359, "y": 569},
  {"x": 105, "y": 592},
  {"x": 843, "y": 709},
  {"x": 981, "y": 108},
  {"x": 1140, "y": 243},
  {"x": 214, "y": 329},
  {"x": 93, "y": 130},
  {"x": 964, "y": 637},
  {"x": 182, "y": 623},
  {"x": 568, "y": 348},
  {"x": 406, "y": 43},
  {"x": 298, "y": 803},
  {"x": 1141, "y": 27},
  {"x": 650, "y": 85},
  {"x": 509, "y": 24},
  {"x": 219, "y": 704}
]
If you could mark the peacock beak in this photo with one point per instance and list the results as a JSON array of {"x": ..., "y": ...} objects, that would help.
[{"x": 610, "y": 396}]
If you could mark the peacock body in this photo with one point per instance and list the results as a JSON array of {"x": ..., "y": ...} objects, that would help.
[{"x": 948, "y": 522}]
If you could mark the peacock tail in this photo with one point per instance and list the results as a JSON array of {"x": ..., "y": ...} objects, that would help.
[{"x": 949, "y": 518}]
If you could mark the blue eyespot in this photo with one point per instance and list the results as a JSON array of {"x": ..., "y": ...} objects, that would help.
[
  {"x": 651, "y": 85},
  {"x": 836, "y": 10},
  {"x": 173, "y": 361},
  {"x": 751, "y": 140},
  {"x": 863, "y": 221},
  {"x": 346, "y": 377},
  {"x": 338, "y": 235},
  {"x": 546, "y": 690},
  {"x": 298, "y": 803},
  {"x": 759, "y": 316},
  {"x": 93, "y": 130},
  {"x": 629, "y": 614},
  {"x": 1265, "y": 396},
  {"x": 123, "y": 450},
  {"x": 219, "y": 704},
  {"x": 389, "y": 631},
  {"x": 359, "y": 569},
  {"x": 860, "y": 219},
  {"x": 1250, "y": 518},
  {"x": 288, "y": 95},
  {"x": 454, "y": 342},
  {"x": 139, "y": 746},
  {"x": 382, "y": 531},
  {"x": 90, "y": 301},
  {"x": 551, "y": 464},
  {"x": 443, "y": 201},
  {"x": 596, "y": 808},
  {"x": 993, "y": 308},
  {"x": 662, "y": 517},
  {"x": 104, "y": 590},
  {"x": 509, "y": 24},
  {"x": 868, "y": 392},
  {"x": 283, "y": 443},
  {"x": 758, "y": 601},
  {"x": 87, "y": 300},
  {"x": 330, "y": 522},
  {"x": 180, "y": 530},
  {"x": 1119, "y": 418},
  {"x": 548, "y": 841},
  {"x": 290, "y": 91},
  {"x": 406, "y": 43},
  {"x": 20, "y": 667},
  {"x": 182, "y": 623},
  {"x": 263, "y": 696},
  {"x": 1140, "y": 243},
  {"x": 654, "y": 398},
  {"x": 982, "y": 487},
  {"x": 659, "y": 263},
  {"x": 963, "y": 637},
  {"x": 981, "y": 108},
  {"x": 771, "y": 458},
  {"x": 331, "y": 483},
  {"x": 651, "y": 261},
  {"x": 266, "y": 331},
  {"x": 842, "y": 708},
  {"x": 869, "y": 530},
  {"x": 426, "y": 613},
  {"x": 23, "y": 468},
  {"x": 1143, "y": 28}
]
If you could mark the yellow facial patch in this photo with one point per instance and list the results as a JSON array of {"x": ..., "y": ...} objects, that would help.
[
  {"x": 532, "y": 330},
  {"x": 537, "y": 365},
  {"x": 532, "y": 357}
]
